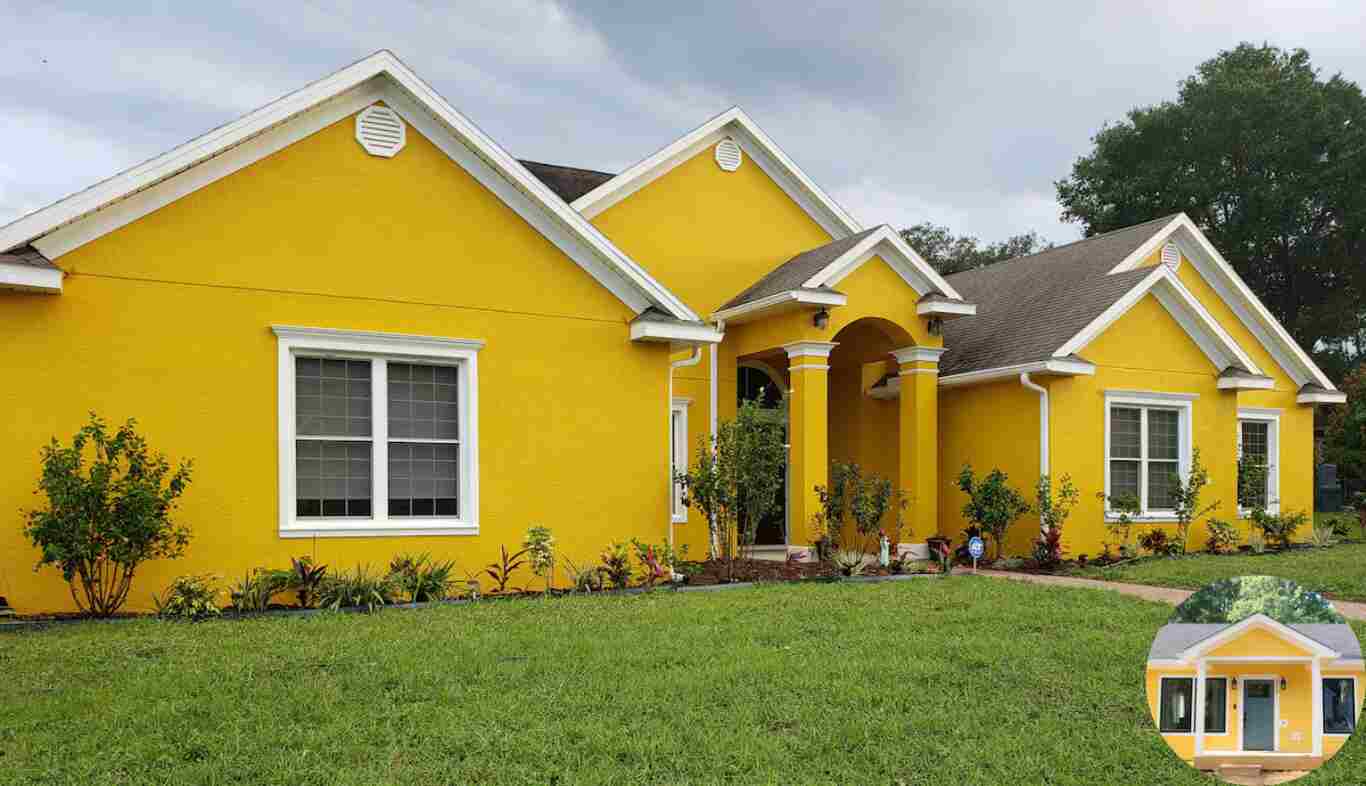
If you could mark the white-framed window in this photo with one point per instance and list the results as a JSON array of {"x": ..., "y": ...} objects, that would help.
[
  {"x": 1176, "y": 705},
  {"x": 1147, "y": 443},
  {"x": 678, "y": 455},
  {"x": 378, "y": 434},
  {"x": 1259, "y": 445},
  {"x": 1339, "y": 705},
  {"x": 1216, "y": 705}
]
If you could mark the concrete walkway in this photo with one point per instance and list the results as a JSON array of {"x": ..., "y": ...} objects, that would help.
[{"x": 1352, "y": 611}]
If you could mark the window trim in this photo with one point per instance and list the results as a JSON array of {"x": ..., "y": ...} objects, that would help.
[
  {"x": 1356, "y": 688},
  {"x": 1161, "y": 684},
  {"x": 294, "y": 341},
  {"x": 1272, "y": 417},
  {"x": 1204, "y": 706},
  {"x": 1184, "y": 404},
  {"x": 678, "y": 513}
]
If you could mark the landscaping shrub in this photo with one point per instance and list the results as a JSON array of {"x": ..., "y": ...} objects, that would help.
[
  {"x": 992, "y": 504},
  {"x": 420, "y": 579},
  {"x": 109, "y": 505},
  {"x": 1187, "y": 505},
  {"x": 1157, "y": 543},
  {"x": 1048, "y": 549},
  {"x": 256, "y": 589},
  {"x": 1223, "y": 537},
  {"x": 582, "y": 579},
  {"x": 539, "y": 546},
  {"x": 1279, "y": 527},
  {"x": 1323, "y": 534},
  {"x": 1119, "y": 522},
  {"x": 1256, "y": 541},
  {"x": 502, "y": 570},
  {"x": 656, "y": 562},
  {"x": 189, "y": 598},
  {"x": 871, "y": 496},
  {"x": 361, "y": 587},
  {"x": 850, "y": 562},
  {"x": 616, "y": 564},
  {"x": 305, "y": 579}
]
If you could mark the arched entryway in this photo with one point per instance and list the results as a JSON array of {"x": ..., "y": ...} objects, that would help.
[{"x": 759, "y": 381}]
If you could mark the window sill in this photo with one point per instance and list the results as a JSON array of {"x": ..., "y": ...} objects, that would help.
[
  {"x": 417, "y": 528},
  {"x": 1246, "y": 513},
  {"x": 683, "y": 519},
  {"x": 1147, "y": 518}
]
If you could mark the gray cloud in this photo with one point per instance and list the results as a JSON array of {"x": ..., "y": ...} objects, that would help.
[{"x": 962, "y": 114}]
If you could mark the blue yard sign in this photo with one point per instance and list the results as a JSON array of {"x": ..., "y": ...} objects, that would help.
[{"x": 976, "y": 548}]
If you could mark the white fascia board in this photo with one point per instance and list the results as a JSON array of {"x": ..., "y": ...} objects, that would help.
[
  {"x": 675, "y": 333},
  {"x": 941, "y": 308},
  {"x": 1189, "y": 313},
  {"x": 779, "y": 303},
  {"x": 54, "y": 229},
  {"x": 1055, "y": 367},
  {"x": 912, "y": 268},
  {"x": 27, "y": 278},
  {"x": 1326, "y": 397},
  {"x": 1263, "y": 622},
  {"x": 758, "y": 147},
  {"x": 1236, "y": 294},
  {"x": 1246, "y": 383}
]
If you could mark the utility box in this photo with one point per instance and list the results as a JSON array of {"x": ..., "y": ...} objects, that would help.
[{"x": 1327, "y": 489}]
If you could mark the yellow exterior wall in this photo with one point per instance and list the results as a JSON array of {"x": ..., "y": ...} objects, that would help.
[{"x": 168, "y": 318}]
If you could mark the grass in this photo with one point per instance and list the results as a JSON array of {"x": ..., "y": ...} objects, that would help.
[
  {"x": 966, "y": 680},
  {"x": 1335, "y": 571}
]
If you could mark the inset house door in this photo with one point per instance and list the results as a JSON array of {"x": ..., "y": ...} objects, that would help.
[
  {"x": 756, "y": 384},
  {"x": 1259, "y": 715}
]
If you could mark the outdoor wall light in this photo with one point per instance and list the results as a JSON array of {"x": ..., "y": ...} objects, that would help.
[
  {"x": 821, "y": 319},
  {"x": 1283, "y": 683},
  {"x": 1235, "y": 682},
  {"x": 936, "y": 326}
]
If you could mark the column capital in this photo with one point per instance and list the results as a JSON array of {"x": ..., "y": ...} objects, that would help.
[
  {"x": 809, "y": 349},
  {"x": 918, "y": 354}
]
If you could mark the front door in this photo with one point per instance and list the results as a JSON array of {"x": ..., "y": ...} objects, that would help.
[{"x": 1259, "y": 715}]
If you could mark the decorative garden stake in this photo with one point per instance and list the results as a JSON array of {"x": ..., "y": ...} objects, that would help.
[{"x": 884, "y": 555}]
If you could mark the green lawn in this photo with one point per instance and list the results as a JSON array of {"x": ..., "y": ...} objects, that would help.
[
  {"x": 966, "y": 680},
  {"x": 1339, "y": 571}
]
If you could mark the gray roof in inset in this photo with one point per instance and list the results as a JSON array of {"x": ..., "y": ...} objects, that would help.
[
  {"x": 1028, "y": 307},
  {"x": 789, "y": 275},
  {"x": 1174, "y": 639},
  {"x": 568, "y": 182},
  {"x": 27, "y": 255}
]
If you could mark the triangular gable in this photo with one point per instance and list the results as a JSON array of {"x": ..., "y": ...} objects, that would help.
[
  {"x": 896, "y": 252},
  {"x": 755, "y": 145},
  {"x": 1231, "y": 288},
  {"x": 1258, "y": 622},
  {"x": 1185, "y": 308},
  {"x": 104, "y": 207}
]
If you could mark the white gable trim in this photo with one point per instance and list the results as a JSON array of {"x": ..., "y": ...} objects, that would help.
[
  {"x": 1235, "y": 293},
  {"x": 758, "y": 147},
  {"x": 1263, "y": 622},
  {"x": 1189, "y": 313},
  {"x": 779, "y": 303},
  {"x": 28, "y": 278},
  {"x": 88, "y": 214},
  {"x": 912, "y": 268}
]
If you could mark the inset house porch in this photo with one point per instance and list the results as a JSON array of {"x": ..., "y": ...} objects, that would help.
[{"x": 849, "y": 333}]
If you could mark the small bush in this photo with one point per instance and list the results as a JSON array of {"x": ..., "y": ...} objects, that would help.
[
  {"x": 540, "y": 550},
  {"x": 305, "y": 579},
  {"x": 1256, "y": 542},
  {"x": 993, "y": 505},
  {"x": 1157, "y": 543},
  {"x": 502, "y": 570},
  {"x": 1280, "y": 527},
  {"x": 582, "y": 579},
  {"x": 1324, "y": 534},
  {"x": 850, "y": 562},
  {"x": 420, "y": 579},
  {"x": 616, "y": 564},
  {"x": 256, "y": 589},
  {"x": 361, "y": 587},
  {"x": 1223, "y": 537},
  {"x": 189, "y": 598}
]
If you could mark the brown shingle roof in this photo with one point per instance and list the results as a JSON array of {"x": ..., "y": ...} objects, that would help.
[
  {"x": 26, "y": 255},
  {"x": 789, "y": 275},
  {"x": 568, "y": 182},
  {"x": 1030, "y": 306}
]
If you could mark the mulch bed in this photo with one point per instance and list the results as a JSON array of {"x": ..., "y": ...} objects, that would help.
[{"x": 711, "y": 572}]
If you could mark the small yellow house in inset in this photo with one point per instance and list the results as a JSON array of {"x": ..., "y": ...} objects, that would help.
[
  {"x": 1256, "y": 693},
  {"x": 375, "y": 330}
]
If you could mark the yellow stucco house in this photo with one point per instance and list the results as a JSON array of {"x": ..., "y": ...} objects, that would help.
[
  {"x": 1255, "y": 693},
  {"x": 375, "y": 330}
]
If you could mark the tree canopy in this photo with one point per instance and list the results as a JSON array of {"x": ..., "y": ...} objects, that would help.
[
  {"x": 1267, "y": 158},
  {"x": 948, "y": 253},
  {"x": 1236, "y": 599}
]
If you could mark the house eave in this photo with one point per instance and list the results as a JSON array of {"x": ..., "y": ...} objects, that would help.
[
  {"x": 782, "y": 302},
  {"x": 28, "y": 278},
  {"x": 1325, "y": 397},
  {"x": 1246, "y": 383},
  {"x": 1065, "y": 367},
  {"x": 946, "y": 309},
  {"x": 677, "y": 334}
]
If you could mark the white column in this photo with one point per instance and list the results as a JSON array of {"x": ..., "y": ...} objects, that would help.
[
  {"x": 1316, "y": 685},
  {"x": 1199, "y": 704}
]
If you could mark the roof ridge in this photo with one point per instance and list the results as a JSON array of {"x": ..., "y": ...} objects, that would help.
[{"x": 1102, "y": 235}]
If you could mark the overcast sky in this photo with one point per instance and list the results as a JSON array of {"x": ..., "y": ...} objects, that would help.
[{"x": 957, "y": 113}]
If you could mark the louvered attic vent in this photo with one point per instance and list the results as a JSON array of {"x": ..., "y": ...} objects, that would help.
[
  {"x": 1171, "y": 256},
  {"x": 381, "y": 131},
  {"x": 728, "y": 155}
]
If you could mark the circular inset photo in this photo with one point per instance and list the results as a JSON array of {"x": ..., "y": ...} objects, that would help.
[{"x": 1255, "y": 680}]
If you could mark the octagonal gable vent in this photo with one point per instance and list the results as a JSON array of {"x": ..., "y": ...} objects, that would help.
[
  {"x": 1171, "y": 256},
  {"x": 381, "y": 131},
  {"x": 728, "y": 155}
]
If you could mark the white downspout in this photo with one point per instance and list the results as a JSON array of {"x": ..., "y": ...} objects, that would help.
[
  {"x": 1043, "y": 431},
  {"x": 721, "y": 328},
  {"x": 674, "y": 366}
]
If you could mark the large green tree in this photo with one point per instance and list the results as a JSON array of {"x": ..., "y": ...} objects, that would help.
[
  {"x": 950, "y": 253},
  {"x": 1268, "y": 159}
]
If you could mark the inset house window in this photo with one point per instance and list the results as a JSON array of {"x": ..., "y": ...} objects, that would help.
[
  {"x": 1258, "y": 455},
  {"x": 377, "y": 416},
  {"x": 678, "y": 453},
  {"x": 1147, "y": 449},
  {"x": 1177, "y": 705},
  {"x": 1339, "y": 705},
  {"x": 1216, "y": 705}
]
